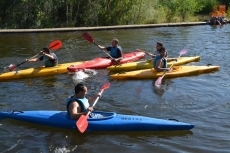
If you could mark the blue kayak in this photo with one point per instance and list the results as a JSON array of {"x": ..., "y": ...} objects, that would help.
[{"x": 110, "y": 121}]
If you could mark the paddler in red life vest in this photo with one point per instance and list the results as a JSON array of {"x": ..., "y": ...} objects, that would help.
[
  {"x": 50, "y": 59},
  {"x": 78, "y": 105},
  {"x": 160, "y": 61},
  {"x": 115, "y": 50}
]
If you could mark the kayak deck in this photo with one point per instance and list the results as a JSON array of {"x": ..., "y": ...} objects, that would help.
[
  {"x": 148, "y": 64},
  {"x": 110, "y": 121},
  {"x": 178, "y": 71},
  {"x": 104, "y": 62}
]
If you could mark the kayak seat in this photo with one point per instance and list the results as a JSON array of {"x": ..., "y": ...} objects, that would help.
[{"x": 104, "y": 115}]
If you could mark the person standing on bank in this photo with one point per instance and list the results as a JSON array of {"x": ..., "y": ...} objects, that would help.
[
  {"x": 50, "y": 59},
  {"x": 78, "y": 105},
  {"x": 115, "y": 50}
]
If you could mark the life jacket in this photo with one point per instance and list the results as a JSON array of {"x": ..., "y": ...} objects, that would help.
[
  {"x": 83, "y": 102},
  {"x": 114, "y": 52},
  {"x": 159, "y": 57},
  {"x": 50, "y": 62}
]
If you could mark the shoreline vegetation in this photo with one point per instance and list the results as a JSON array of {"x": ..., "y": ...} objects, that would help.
[
  {"x": 69, "y": 29},
  {"x": 40, "y": 14}
]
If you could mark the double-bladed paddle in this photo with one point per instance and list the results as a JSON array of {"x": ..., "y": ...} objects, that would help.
[
  {"x": 54, "y": 45},
  {"x": 159, "y": 80},
  {"x": 82, "y": 122},
  {"x": 88, "y": 37}
]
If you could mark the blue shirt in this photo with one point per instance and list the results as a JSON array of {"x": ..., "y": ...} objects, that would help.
[{"x": 115, "y": 52}]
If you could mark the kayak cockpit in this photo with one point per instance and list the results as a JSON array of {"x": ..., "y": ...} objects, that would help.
[{"x": 104, "y": 116}]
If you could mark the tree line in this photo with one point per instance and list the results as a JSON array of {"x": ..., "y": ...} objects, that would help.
[{"x": 76, "y": 13}]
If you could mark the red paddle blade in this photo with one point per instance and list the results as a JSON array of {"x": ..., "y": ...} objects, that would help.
[
  {"x": 55, "y": 45},
  {"x": 88, "y": 37},
  {"x": 82, "y": 123},
  {"x": 11, "y": 67},
  {"x": 105, "y": 86}
]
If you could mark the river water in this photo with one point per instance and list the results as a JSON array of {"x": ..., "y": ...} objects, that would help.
[{"x": 202, "y": 100}]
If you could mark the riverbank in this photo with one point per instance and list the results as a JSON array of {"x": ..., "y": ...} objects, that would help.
[{"x": 102, "y": 27}]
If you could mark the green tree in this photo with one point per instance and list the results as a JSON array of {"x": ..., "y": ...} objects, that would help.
[{"x": 187, "y": 8}]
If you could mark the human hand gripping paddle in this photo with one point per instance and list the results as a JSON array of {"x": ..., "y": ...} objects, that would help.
[
  {"x": 54, "y": 45},
  {"x": 88, "y": 37},
  {"x": 159, "y": 80},
  {"x": 82, "y": 122}
]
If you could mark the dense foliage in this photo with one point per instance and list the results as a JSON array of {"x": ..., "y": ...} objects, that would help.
[{"x": 75, "y": 13}]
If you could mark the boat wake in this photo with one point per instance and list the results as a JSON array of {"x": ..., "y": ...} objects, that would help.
[{"x": 83, "y": 74}]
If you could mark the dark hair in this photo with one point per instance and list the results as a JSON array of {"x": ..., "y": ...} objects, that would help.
[
  {"x": 79, "y": 87},
  {"x": 46, "y": 50},
  {"x": 162, "y": 49},
  {"x": 159, "y": 43}
]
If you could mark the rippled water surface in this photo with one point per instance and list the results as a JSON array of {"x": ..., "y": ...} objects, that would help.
[{"x": 203, "y": 100}]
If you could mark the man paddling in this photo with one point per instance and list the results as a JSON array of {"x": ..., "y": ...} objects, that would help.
[
  {"x": 78, "y": 105},
  {"x": 115, "y": 50},
  {"x": 160, "y": 61},
  {"x": 50, "y": 59}
]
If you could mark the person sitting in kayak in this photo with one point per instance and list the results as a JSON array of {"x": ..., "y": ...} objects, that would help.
[
  {"x": 159, "y": 45},
  {"x": 160, "y": 61},
  {"x": 115, "y": 50},
  {"x": 50, "y": 59},
  {"x": 78, "y": 105}
]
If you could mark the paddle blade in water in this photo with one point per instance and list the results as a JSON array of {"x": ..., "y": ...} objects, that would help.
[
  {"x": 55, "y": 45},
  {"x": 82, "y": 123},
  {"x": 88, "y": 37},
  {"x": 158, "y": 81}
]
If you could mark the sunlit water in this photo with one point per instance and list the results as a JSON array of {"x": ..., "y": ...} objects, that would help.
[{"x": 203, "y": 100}]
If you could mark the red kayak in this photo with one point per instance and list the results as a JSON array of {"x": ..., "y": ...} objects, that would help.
[{"x": 103, "y": 62}]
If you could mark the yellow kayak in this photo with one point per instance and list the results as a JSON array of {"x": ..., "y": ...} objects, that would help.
[
  {"x": 178, "y": 71},
  {"x": 148, "y": 64},
  {"x": 36, "y": 72}
]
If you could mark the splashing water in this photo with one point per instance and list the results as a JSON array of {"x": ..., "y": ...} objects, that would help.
[{"x": 83, "y": 74}]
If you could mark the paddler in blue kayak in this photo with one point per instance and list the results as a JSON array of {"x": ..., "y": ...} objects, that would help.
[
  {"x": 78, "y": 105},
  {"x": 50, "y": 59},
  {"x": 160, "y": 61},
  {"x": 115, "y": 50}
]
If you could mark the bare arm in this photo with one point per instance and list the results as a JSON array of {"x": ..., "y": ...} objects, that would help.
[
  {"x": 158, "y": 66},
  {"x": 48, "y": 55},
  {"x": 75, "y": 110},
  {"x": 92, "y": 99},
  {"x": 33, "y": 60},
  {"x": 102, "y": 47}
]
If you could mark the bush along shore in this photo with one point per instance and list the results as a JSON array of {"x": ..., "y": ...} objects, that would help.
[{"x": 38, "y": 14}]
